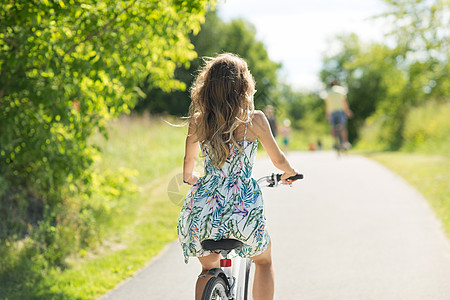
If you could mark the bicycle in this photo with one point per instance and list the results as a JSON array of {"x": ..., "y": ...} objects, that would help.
[
  {"x": 339, "y": 144},
  {"x": 231, "y": 280}
]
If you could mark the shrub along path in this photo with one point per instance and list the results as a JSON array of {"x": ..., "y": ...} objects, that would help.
[{"x": 350, "y": 230}]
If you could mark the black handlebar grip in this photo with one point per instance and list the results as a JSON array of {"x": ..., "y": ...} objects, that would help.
[{"x": 295, "y": 177}]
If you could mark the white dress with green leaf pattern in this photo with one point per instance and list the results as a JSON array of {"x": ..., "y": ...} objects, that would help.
[{"x": 225, "y": 203}]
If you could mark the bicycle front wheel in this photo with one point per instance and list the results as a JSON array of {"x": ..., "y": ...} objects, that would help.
[{"x": 215, "y": 289}]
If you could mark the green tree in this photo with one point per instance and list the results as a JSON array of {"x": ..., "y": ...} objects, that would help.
[
  {"x": 176, "y": 102},
  {"x": 420, "y": 26},
  {"x": 66, "y": 69},
  {"x": 299, "y": 106},
  {"x": 216, "y": 36},
  {"x": 241, "y": 39},
  {"x": 420, "y": 29}
]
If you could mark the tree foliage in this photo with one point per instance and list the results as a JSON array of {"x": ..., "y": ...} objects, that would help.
[
  {"x": 420, "y": 26},
  {"x": 422, "y": 41},
  {"x": 241, "y": 39},
  {"x": 216, "y": 36},
  {"x": 385, "y": 82},
  {"x": 304, "y": 108},
  {"x": 66, "y": 68}
]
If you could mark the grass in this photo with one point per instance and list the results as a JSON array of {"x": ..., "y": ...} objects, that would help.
[
  {"x": 155, "y": 151},
  {"x": 301, "y": 139},
  {"x": 430, "y": 174},
  {"x": 148, "y": 145}
]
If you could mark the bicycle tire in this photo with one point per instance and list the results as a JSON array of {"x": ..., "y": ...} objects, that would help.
[
  {"x": 216, "y": 288},
  {"x": 338, "y": 140},
  {"x": 248, "y": 266}
]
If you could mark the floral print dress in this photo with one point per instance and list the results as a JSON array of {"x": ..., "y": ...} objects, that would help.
[{"x": 225, "y": 203}]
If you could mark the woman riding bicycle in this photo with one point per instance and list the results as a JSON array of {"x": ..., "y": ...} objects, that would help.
[
  {"x": 227, "y": 202},
  {"x": 337, "y": 111}
]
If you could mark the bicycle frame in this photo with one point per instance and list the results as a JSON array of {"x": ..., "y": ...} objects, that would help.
[
  {"x": 239, "y": 274},
  {"x": 233, "y": 271},
  {"x": 338, "y": 140},
  {"x": 337, "y": 134}
]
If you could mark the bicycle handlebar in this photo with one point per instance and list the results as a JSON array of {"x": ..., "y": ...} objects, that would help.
[
  {"x": 274, "y": 179},
  {"x": 295, "y": 177}
]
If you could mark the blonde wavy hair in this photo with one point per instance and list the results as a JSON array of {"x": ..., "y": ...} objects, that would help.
[{"x": 222, "y": 99}]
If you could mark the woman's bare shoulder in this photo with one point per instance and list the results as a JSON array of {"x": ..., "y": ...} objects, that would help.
[{"x": 259, "y": 118}]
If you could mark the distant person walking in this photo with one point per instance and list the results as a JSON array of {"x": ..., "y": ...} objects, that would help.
[
  {"x": 319, "y": 144},
  {"x": 269, "y": 111},
  {"x": 337, "y": 110},
  {"x": 286, "y": 133}
]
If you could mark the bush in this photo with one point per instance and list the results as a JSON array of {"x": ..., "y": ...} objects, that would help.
[
  {"x": 372, "y": 134},
  {"x": 427, "y": 128},
  {"x": 79, "y": 221}
]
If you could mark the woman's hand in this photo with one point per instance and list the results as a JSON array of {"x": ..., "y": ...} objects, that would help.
[
  {"x": 192, "y": 179},
  {"x": 286, "y": 175}
]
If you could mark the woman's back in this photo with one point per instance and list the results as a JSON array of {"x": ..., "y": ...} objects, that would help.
[
  {"x": 227, "y": 202},
  {"x": 239, "y": 161}
]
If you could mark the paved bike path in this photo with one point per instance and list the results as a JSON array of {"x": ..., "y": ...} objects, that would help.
[{"x": 351, "y": 230}]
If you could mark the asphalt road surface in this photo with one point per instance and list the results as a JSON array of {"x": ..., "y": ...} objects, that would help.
[{"x": 351, "y": 230}]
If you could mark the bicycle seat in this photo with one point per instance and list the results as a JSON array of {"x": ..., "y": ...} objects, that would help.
[{"x": 223, "y": 244}]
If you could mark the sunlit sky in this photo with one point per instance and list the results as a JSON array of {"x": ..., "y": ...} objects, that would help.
[{"x": 295, "y": 32}]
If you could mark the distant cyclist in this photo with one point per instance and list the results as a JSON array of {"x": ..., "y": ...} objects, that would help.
[{"x": 338, "y": 111}]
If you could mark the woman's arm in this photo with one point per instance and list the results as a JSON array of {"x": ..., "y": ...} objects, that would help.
[
  {"x": 191, "y": 152},
  {"x": 262, "y": 129}
]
